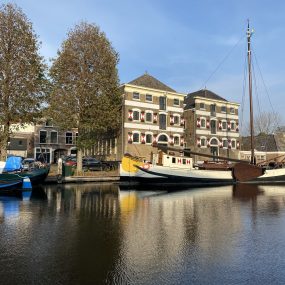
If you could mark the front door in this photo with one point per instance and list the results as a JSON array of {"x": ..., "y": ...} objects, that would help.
[{"x": 214, "y": 152}]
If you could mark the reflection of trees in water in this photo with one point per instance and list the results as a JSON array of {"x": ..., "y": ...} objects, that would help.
[
  {"x": 98, "y": 199},
  {"x": 78, "y": 232}
]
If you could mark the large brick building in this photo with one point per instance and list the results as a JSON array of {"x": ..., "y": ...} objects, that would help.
[
  {"x": 211, "y": 125},
  {"x": 152, "y": 114}
]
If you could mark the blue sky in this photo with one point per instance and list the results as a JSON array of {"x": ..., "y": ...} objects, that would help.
[{"x": 181, "y": 43}]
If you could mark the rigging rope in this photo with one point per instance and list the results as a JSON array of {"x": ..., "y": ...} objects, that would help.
[
  {"x": 222, "y": 61},
  {"x": 266, "y": 90}
]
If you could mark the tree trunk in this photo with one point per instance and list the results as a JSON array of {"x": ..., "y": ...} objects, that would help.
[
  {"x": 4, "y": 142},
  {"x": 79, "y": 160}
]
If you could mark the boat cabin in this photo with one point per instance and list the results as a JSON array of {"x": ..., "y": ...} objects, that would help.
[{"x": 172, "y": 160}]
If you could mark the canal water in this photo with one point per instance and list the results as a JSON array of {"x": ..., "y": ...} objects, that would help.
[{"x": 99, "y": 234}]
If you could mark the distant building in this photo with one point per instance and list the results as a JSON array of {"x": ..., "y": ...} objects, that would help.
[
  {"x": 267, "y": 147},
  {"x": 152, "y": 114},
  {"x": 21, "y": 142},
  {"x": 211, "y": 125},
  {"x": 51, "y": 142}
]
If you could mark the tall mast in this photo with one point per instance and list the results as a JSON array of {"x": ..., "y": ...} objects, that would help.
[{"x": 250, "y": 94}]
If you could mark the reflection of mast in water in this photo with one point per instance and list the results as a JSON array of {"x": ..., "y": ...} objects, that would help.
[
  {"x": 273, "y": 203},
  {"x": 246, "y": 191},
  {"x": 1, "y": 213}
]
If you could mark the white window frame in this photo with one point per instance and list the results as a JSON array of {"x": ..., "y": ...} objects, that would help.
[
  {"x": 46, "y": 139},
  {"x": 72, "y": 143},
  {"x": 203, "y": 119},
  {"x": 227, "y": 143},
  {"x": 139, "y": 134},
  {"x": 203, "y": 138},
  {"x": 224, "y": 112},
  {"x": 137, "y": 99},
  {"x": 174, "y": 102},
  {"x": 235, "y": 142},
  {"x": 151, "y": 134},
  {"x": 179, "y": 119},
  {"x": 163, "y": 134},
  {"x": 54, "y": 131},
  {"x": 45, "y": 151},
  {"x": 224, "y": 122},
  {"x": 150, "y": 112},
  {"x": 146, "y": 97},
  {"x": 178, "y": 137},
  {"x": 139, "y": 116}
]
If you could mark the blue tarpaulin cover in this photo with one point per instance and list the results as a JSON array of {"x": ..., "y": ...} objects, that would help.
[{"x": 13, "y": 163}]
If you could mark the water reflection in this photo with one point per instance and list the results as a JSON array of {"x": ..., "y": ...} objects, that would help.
[{"x": 99, "y": 234}]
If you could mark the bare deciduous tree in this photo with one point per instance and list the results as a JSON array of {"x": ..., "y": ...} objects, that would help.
[{"x": 266, "y": 122}]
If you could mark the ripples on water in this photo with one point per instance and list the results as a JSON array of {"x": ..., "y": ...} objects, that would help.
[{"x": 97, "y": 234}]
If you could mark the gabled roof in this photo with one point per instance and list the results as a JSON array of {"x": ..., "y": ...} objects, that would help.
[
  {"x": 262, "y": 142},
  {"x": 203, "y": 93},
  {"x": 280, "y": 139},
  {"x": 149, "y": 81}
]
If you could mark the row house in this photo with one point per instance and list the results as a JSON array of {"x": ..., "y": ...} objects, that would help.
[
  {"x": 21, "y": 141},
  {"x": 268, "y": 148},
  {"x": 212, "y": 125},
  {"x": 51, "y": 142},
  {"x": 152, "y": 115},
  {"x": 42, "y": 139}
]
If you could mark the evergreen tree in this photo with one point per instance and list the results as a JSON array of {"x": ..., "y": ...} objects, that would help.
[
  {"x": 85, "y": 84},
  {"x": 22, "y": 70}
]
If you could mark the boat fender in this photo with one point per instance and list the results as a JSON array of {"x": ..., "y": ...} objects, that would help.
[
  {"x": 27, "y": 183},
  {"x": 146, "y": 166}
]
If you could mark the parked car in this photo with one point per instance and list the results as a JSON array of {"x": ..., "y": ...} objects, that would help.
[
  {"x": 88, "y": 163},
  {"x": 92, "y": 164}
]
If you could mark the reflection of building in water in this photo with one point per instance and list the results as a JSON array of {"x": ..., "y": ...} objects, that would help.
[
  {"x": 210, "y": 222},
  {"x": 165, "y": 225}
]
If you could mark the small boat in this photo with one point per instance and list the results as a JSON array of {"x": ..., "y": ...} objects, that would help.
[
  {"x": 179, "y": 169},
  {"x": 13, "y": 177}
]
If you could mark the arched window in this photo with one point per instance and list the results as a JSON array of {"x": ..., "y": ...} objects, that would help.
[
  {"x": 203, "y": 123},
  {"x": 214, "y": 141},
  {"x": 162, "y": 138}
]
